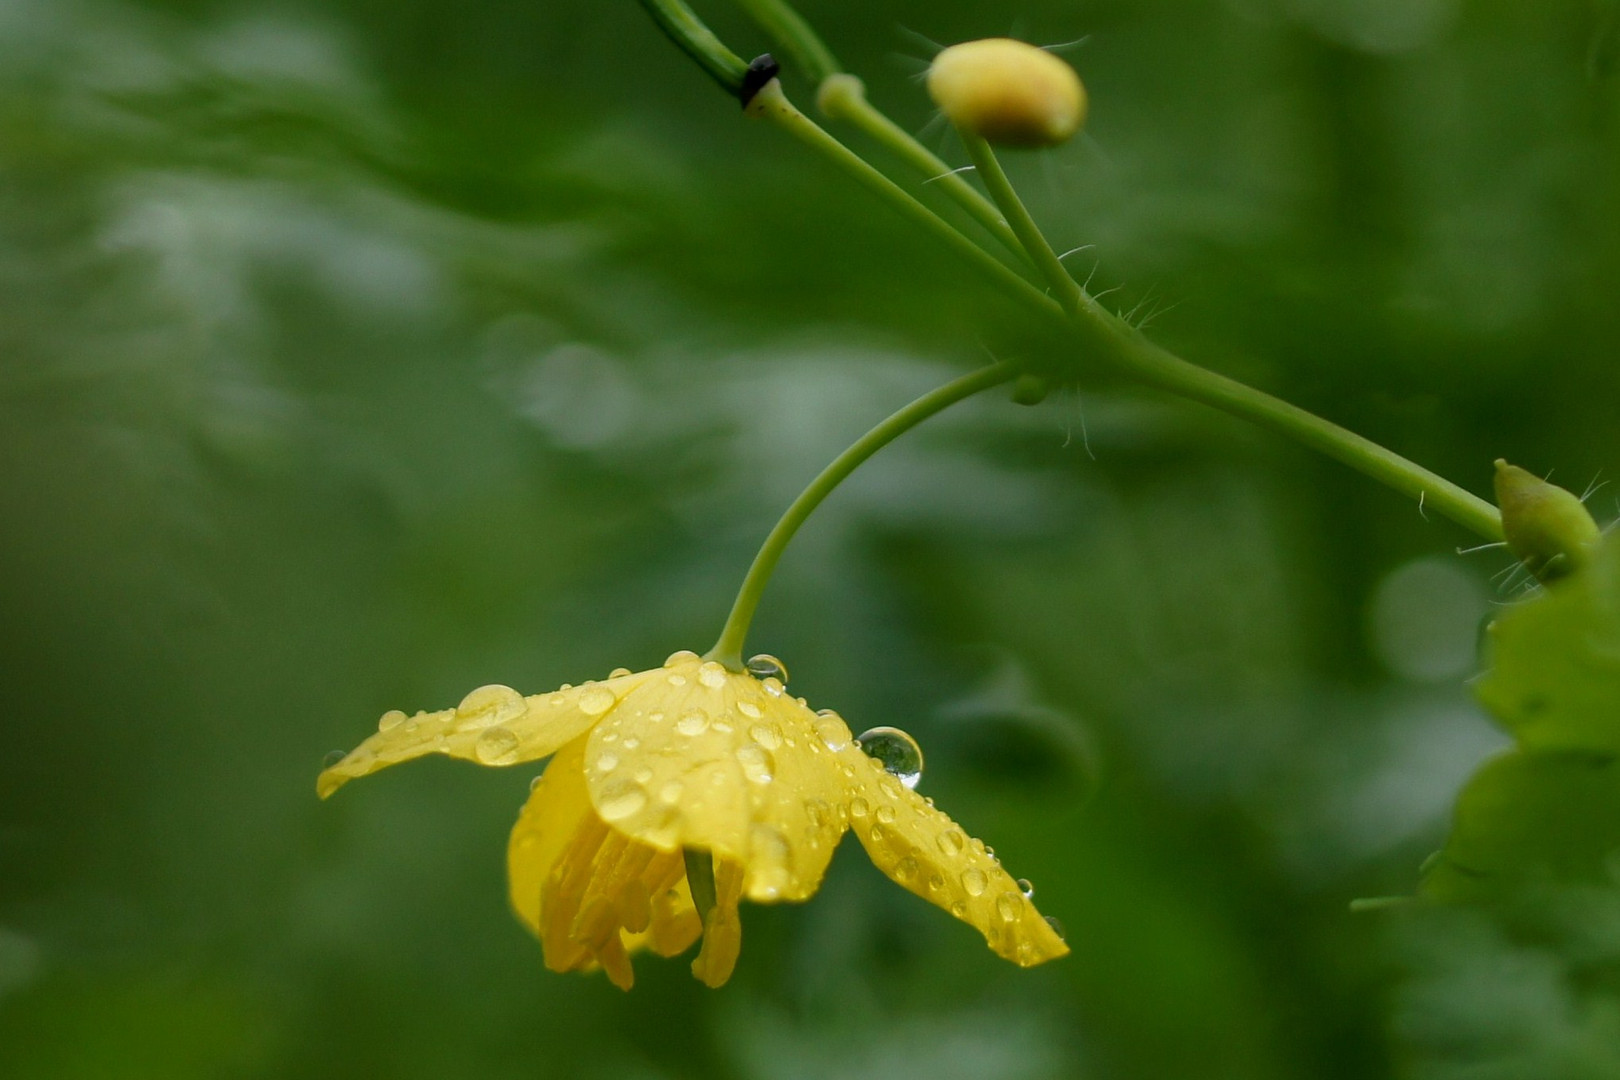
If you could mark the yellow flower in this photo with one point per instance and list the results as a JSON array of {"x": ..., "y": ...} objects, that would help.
[{"x": 686, "y": 761}]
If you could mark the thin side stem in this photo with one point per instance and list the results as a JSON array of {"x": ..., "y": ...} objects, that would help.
[
  {"x": 772, "y": 104},
  {"x": 728, "y": 649},
  {"x": 789, "y": 28},
  {"x": 843, "y": 97},
  {"x": 696, "y": 40}
]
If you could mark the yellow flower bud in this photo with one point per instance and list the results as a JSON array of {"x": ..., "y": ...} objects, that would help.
[
  {"x": 1008, "y": 92},
  {"x": 1548, "y": 528}
]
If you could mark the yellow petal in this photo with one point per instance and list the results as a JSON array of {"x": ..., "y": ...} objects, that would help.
[
  {"x": 556, "y": 809},
  {"x": 699, "y": 757},
  {"x": 923, "y": 850},
  {"x": 493, "y": 725},
  {"x": 675, "y": 923},
  {"x": 722, "y": 934}
]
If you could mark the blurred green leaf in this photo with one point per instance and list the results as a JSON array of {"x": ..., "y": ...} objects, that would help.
[{"x": 1555, "y": 662}]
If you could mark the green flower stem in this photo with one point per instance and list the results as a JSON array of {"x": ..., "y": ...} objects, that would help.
[
  {"x": 789, "y": 28},
  {"x": 728, "y": 650},
  {"x": 1138, "y": 357},
  {"x": 696, "y": 40},
  {"x": 843, "y": 97},
  {"x": 1097, "y": 332},
  {"x": 772, "y": 104}
]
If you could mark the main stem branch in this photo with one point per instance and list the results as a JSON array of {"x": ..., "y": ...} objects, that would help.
[{"x": 728, "y": 650}]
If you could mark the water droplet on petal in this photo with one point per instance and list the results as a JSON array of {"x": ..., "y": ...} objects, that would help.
[
  {"x": 766, "y": 666},
  {"x": 620, "y": 801},
  {"x": 597, "y": 700},
  {"x": 974, "y": 881},
  {"x": 936, "y": 883},
  {"x": 536, "y": 781},
  {"x": 671, "y": 791},
  {"x": 680, "y": 656},
  {"x": 390, "y": 720},
  {"x": 692, "y": 722},
  {"x": 618, "y": 673},
  {"x": 677, "y": 680},
  {"x": 818, "y": 812},
  {"x": 1057, "y": 928},
  {"x": 766, "y": 735},
  {"x": 885, "y": 814},
  {"x": 488, "y": 706},
  {"x": 631, "y": 742},
  {"x": 951, "y": 842},
  {"x": 832, "y": 729},
  {"x": 750, "y": 710},
  {"x": 773, "y": 686},
  {"x": 896, "y": 751},
  {"x": 859, "y": 807},
  {"x": 1026, "y": 887},
  {"x": 757, "y": 763},
  {"x": 1009, "y": 905},
  {"x": 607, "y": 763},
  {"x": 959, "y": 909},
  {"x": 712, "y": 675},
  {"x": 906, "y": 869},
  {"x": 497, "y": 746},
  {"x": 643, "y": 774},
  {"x": 332, "y": 758}
]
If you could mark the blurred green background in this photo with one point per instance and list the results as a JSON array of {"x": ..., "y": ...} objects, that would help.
[{"x": 355, "y": 354}]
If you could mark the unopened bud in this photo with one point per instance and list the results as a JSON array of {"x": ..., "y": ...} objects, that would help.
[
  {"x": 1030, "y": 389},
  {"x": 1548, "y": 528},
  {"x": 1008, "y": 92}
]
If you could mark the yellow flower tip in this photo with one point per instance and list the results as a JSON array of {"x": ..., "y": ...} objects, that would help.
[
  {"x": 1008, "y": 92},
  {"x": 692, "y": 756},
  {"x": 1547, "y": 528}
]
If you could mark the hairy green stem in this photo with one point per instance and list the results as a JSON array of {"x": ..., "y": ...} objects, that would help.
[
  {"x": 728, "y": 649},
  {"x": 1125, "y": 348},
  {"x": 794, "y": 34}
]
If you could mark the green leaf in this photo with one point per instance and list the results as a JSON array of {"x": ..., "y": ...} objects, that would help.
[
  {"x": 1555, "y": 678},
  {"x": 1549, "y": 811},
  {"x": 1530, "y": 818}
]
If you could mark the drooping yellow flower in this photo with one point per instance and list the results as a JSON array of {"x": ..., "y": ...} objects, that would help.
[{"x": 684, "y": 761}]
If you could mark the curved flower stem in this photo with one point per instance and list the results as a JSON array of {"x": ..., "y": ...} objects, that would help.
[{"x": 728, "y": 649}]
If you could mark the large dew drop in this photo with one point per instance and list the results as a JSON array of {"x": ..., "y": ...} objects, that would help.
[
  {"x": 597, "y": 700},
  {"x": 896, "y": 751},
  {"x": 488, "y": 706},
  {"x": 766, "y": 666}
]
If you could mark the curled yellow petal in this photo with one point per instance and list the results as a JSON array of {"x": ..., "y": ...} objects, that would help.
[
  {"x": 701, "y": 757},
  {"x": 493, "y": 725},
  {"x": 722, "y": 932},
  {"x": 924, "y": 851}
]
